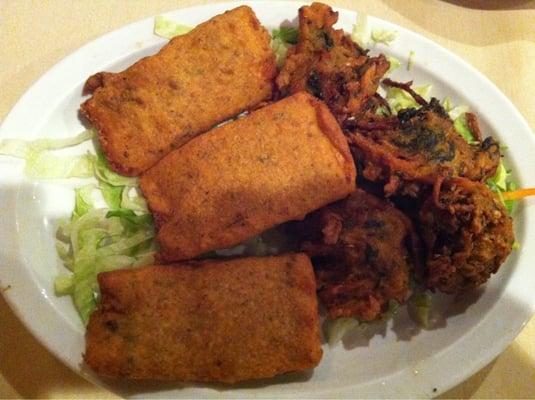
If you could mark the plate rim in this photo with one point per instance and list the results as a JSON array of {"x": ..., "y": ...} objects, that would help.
[{"x": 458, "y": 375}]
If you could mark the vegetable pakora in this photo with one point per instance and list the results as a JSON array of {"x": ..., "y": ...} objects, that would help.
[
  {"x": 210, "y": 321},
  {"x": 467, "y": 232},
  {"x": 221, "y": 68},
  {"x": 418, "y": 146},
  {"x": 328, "y": 64},
  {"x": 247, "y": 176},
  {"x": 362, "y": 251}
]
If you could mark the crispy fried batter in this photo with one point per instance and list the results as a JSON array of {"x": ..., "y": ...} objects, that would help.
[
  {"x": 360, "y": 255},
  {"x": 421, "y": 146},
  {"x": 274, "y": 165},
  {"x": 222, "y": 67},
  {"x": 468, "y": 234},
  {"x": 328, "y": 64},
  {"x": 211, "y": 321}
]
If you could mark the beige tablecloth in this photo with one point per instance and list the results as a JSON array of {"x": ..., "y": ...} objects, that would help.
[{"x": 496, "y": 36}]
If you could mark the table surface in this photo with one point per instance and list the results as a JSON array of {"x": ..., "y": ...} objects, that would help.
[{"x": 496, "y": 36}]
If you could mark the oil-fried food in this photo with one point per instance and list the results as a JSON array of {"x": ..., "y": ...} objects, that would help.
[
  {"x": 360, "y": 253},
  {"x": 468, "y": 235},
  {"x": 418, "y": 147},
  {"x": 276, "y": 164},
  {"x": 210, "y": 321},
  {"x": 221, "y": 68},
  {"x": 328, "y": 64}
]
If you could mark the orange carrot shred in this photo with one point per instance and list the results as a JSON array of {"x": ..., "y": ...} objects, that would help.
[{"x": 518, "y": 194}]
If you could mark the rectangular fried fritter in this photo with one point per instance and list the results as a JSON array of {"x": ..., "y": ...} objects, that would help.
[
  {"x": 221, "y": 68},
  {"x": 275, "y": 165},
  {"x": 209, "y": 321}
]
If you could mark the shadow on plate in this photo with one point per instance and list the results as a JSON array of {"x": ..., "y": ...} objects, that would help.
[
  {"x": 403, "y": 325},
  {"x": 133, "y": 388}
]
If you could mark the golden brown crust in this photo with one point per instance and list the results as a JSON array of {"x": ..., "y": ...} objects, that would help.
[
  {"x": 221, "y": 68},
  {"x": 360, "y": 254},
  {"x": 210, "y": 321},
  {"x": 419, "y": 147},
  {"x": 276, "y": 164},
  {"x": 96, "y": 81},
  {"x": 331, "y": 129},
  {"x": 468, "y": 234},
  {"x": 328, "y": 64}
]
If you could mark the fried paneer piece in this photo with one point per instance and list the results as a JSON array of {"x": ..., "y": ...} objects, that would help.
[
  {"x": 275, "y": 165},
  {"x": 209, "y": 321},
  {"x": 419, "y": 146},
  {"x": 468, "y": 235},
  {"x": 328, "y": 64},
  {"x": 221, "y": 68},
  {"x": 360, "y": 253}
]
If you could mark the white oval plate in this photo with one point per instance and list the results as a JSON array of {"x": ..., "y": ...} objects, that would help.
[{"x": 398, "y": 360}]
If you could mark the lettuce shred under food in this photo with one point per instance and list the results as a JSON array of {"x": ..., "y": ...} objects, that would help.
[
  {"x": 419, "y": 307},
  {"x": 394, "y": 64},
  {"x": 337, "y": 329},
  {"x": 168, "y": 29},
  {"x": 410, "y": 61},
  {"x": 96, "y": 238},
  {"x": 281, "y": 40},
  {"x": 42, "y": 163},
  {"x": 110, "y": 226},
  {"x": 398, "y": 99},
  {"x": 383, "y": 36},
  {"x": 361, "y": 33}
]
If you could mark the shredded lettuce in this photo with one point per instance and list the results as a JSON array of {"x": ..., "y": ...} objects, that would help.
[
  {"x": 419, "y": 307},
  {"x": 168, "y": 28},
  {"x": 132, "y": 199},
  {"x": 410, "y": 62},
  {"x": 361, "y": 33},
  {"x": 461, "y": 126},
  {"x": 42, "y": 163},
  {"x": 453, "y": 111},
  {"x": 99, "y": 239},
  {"x": 104, "y": 174},
  {"x": 25, "y": 149},
  {"x": 393, "y": 307},
  {"x": 282, "y": 39},
  {"x": 383, "y": 36},
  {"x": 280, "y": 49},
  {"x": 110, "y": 226},
  {"x": 394, "y": 63},
  {"x": 286, "y": 34},
  {"x": 112, "y": 194},
  {"x": 398, "y": 99},
  {"x": 338, "y": 328},
  {"x": 502, "y": 182}
]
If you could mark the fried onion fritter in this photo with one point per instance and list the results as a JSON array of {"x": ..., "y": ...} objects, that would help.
[
  {"x": 360, "y": 251},
  {"x": 328, "y": 64},
  {"x": 468, "y": 234},
  {"x": 419, "y": 146}
]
